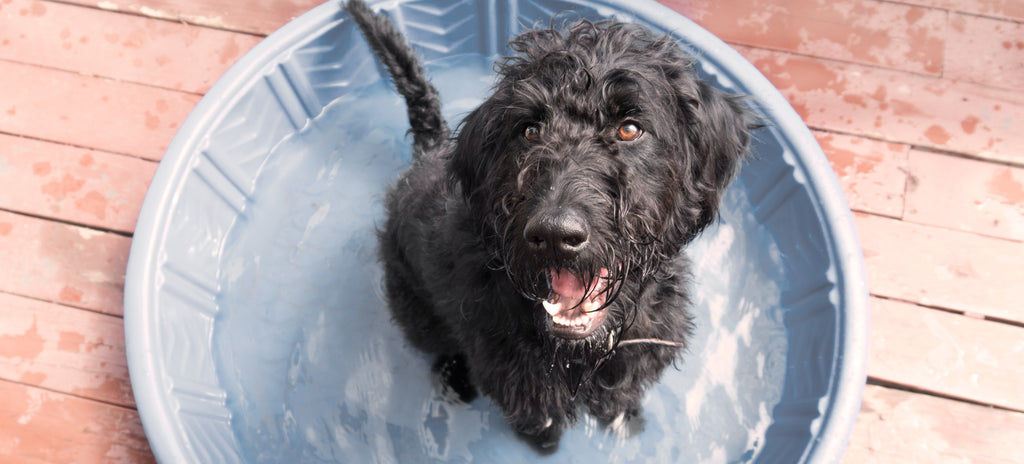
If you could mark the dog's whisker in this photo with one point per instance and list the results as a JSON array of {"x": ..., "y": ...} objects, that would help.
[{"x": 651, "y": 341}]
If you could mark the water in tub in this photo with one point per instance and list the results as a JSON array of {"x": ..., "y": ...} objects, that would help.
[{"x": 315, "y": 371}]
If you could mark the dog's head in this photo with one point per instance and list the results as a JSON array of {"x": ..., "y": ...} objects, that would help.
[{"x": 598, "y": 156}]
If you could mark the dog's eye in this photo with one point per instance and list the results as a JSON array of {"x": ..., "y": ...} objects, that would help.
[
  {"x": 629, "y": 132},
  {"x": 531, "y": 133}
]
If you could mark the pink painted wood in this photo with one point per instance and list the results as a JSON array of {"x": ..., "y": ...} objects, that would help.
[
  {"x": 940, "y": 114},
  {"x": 966, "y": 194},
  {"x": 165, "y": 54},
  {"x": 64, "y": 349},
  {"x": 985, "y": 51},
  {"x": 67, "y": 264},
  {"x": 93, "y": 112},
  {"x": 873, "y": 173},
  {"x": 78, "y": 185},
  {"x": 943, "y": 268},
  {"x": 885, "y": 34}
]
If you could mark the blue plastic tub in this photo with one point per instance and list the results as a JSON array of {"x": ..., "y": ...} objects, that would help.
[{"x": 255, "y": 327}]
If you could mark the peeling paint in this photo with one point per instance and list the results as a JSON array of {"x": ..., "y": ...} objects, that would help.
[
  {"x": 24, "y": 345},
  {"x": 230, "y": 52},
  {"x": 89, "y": 234},
  {"x": 35, "y": 403},
  {"x": 937, "y": 134},
  {"x": 33, "y": 378},
  {"x": 71, "y": 295},
  {"x": 152, "y": 121},
  {"x": 57, "y": 190},
  {"x": 41, "y": 169},
  {"x": 70, "y": 341},
  {"x": 97, "y": 277},
  {"x": 152, "y": 12},
  {"x": 94, "y": 204},
  {"x": 969, "y": 124},
  {"x": 1006, "y": 187}
]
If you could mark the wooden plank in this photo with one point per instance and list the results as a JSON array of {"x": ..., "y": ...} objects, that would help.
[
  {"x": 939, "y": 113},
  {"x": 946, "y": 353},
  {"x": 72, "y": 184},
  {"x": 896, "y": 426},
  {"x": 998, "y": 9},
  {"x": 92, "y": 112},
  {"x": 63, "y": 263},
  {"x": 942, "y": 268},
  {"x": 123, "y": 47},
  {"x": 40, "y": 426},
  {"x": 257, "y": 16},
  {"x": 966, "y": 194},
  {"x": 873, "y": 174},
  {"x": 64, "y": 349},
  {"x": 877, "y": 33},
  {"x": 985, "y": 51}
]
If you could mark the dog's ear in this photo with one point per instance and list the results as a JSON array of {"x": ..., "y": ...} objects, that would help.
[
  {"x": 718, "y": 127},
  {"x": 469, "y": 159}
]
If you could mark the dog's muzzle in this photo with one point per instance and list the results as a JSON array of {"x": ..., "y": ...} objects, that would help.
[{"x": 576, "y": 308}]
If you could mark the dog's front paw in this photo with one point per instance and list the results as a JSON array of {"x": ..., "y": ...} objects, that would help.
[
  {"x": 626, "y": 424},
  {"x": 545, "y": 440},
  {"x": 451, "y": 378}
]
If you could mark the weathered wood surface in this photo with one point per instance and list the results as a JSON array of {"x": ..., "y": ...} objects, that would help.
[
  {"x": 896, "y": 426},
  {"x": 167, "y": 54},
  {"x": 64, "y": 349},
  {"x": 53, "y": 261},
  {"x": 41, "y": 426},
  {"x": 946, "y": 353},
  {"x": 944, "y": 268},
  {"x": 925, "y": 111},
  {"x": 965, "y": 194},
  {"x": 873, "y": 173},
  {"x": 258, "y": 17},
  {"x": 908, "y": 38},
  {"x": 77, "y": 185},
  {"x": 916, "y": 103},
  {"x": 92, "y": 112}
]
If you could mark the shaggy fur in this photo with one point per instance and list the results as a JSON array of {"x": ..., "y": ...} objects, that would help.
[{"x": 567, "y": 195}]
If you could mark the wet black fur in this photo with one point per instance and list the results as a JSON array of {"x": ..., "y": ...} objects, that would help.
[{"x": 460, "y": 278}]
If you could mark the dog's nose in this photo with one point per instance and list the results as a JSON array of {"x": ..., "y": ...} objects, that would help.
[{"x": 560, "y": 233}]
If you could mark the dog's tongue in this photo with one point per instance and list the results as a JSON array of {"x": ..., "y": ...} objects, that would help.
[
  {"x": 570, "y": 302},
  {"x": 568, "y": 285}
]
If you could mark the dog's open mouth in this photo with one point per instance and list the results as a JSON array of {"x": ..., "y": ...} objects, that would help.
[{"x": 576, "y": 309}]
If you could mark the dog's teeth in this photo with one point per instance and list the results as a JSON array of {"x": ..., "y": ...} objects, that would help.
[
  {"x": 552, "y": 308},
  {"x": 579, "y": 314}
]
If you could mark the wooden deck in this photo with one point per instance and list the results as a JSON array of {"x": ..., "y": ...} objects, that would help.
[{"x": 916, "y": 102}]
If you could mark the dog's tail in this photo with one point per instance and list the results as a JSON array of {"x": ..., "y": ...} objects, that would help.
[{"x": 424, "y": 104}]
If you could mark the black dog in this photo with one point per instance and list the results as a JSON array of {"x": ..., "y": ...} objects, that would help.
[{"x": 539, "y": 252}]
